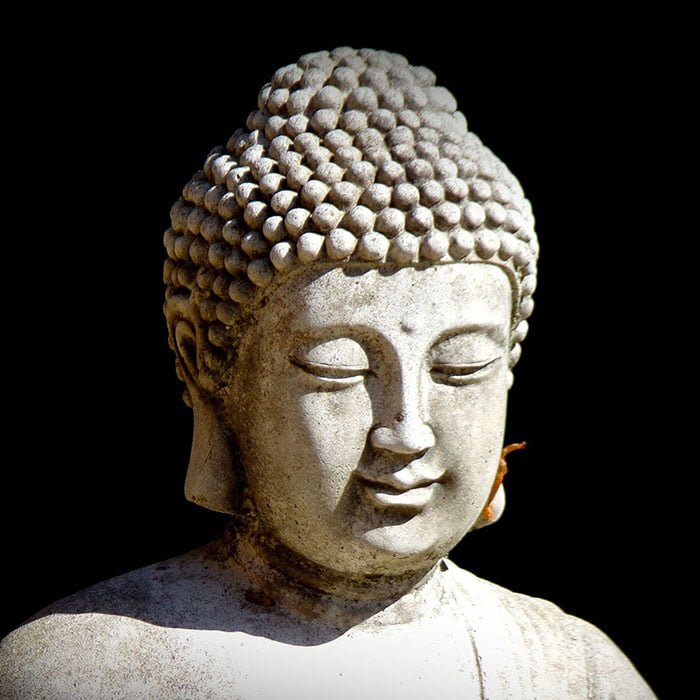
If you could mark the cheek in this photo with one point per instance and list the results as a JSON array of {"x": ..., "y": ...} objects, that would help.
[
  {"x": 336, "y": 425},
  {"x": 469, "y": 424},
  {"x": 309, "y": 440}
]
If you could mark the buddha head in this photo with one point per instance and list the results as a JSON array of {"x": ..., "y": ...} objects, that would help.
[{"x": 348, "y": 286}]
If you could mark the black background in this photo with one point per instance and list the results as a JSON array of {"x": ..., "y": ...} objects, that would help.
[{"x": 112, "y": 122}]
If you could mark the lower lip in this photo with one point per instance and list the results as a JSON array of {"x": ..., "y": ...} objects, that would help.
[{"x": 417, "y": 498}]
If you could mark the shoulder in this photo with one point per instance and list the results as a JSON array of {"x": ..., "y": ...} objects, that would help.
[
  {"x": 185, "y": 591},
  {"x": 550, "y": 642},
  {"x": 106, "y": 635},
  {"x": 65, "y": 655}
]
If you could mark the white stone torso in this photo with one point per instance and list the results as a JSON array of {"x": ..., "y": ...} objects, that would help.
[{"x": 184, "y": 629}]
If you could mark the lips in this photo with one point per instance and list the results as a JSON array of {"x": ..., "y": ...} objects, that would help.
[
  {"x": 417, "y": 498},
  {"x": 410, "y": 487}
]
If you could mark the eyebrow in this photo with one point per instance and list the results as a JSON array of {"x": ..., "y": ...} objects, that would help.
[{"x": 492, "y": 329}]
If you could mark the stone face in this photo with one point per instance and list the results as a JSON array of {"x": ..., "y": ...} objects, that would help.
[
  {"x": 393, "y": 411},
  {"x": 348, "y": 283}
]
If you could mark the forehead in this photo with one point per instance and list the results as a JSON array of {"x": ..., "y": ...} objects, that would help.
[{"x": 428, "y": 299}]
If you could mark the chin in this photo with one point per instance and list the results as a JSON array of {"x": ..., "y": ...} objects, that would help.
[{"x": 410, "y": 545}]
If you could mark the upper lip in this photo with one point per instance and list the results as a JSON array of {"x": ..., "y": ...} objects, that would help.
[{"x": 405, "y": 479}]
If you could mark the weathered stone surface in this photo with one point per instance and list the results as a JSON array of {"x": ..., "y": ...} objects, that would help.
[
  {"x": 348, "y": 285},
  {"x": 190, "y": 628}
]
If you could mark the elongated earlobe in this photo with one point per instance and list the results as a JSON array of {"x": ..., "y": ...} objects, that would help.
[
  {"x": 493, "y": 511},
  {"x": 210, "y": 481},
  {"x": 497, "y": 498}
]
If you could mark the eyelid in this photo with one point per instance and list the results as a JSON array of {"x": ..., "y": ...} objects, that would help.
[
  {"x": 329, "y": 371},
  {"x": 453, "y": 372},
  {"x": 463, "y": 367}
]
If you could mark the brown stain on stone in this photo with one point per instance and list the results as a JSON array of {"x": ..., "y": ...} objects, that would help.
[{"x": 258, "y": 597}]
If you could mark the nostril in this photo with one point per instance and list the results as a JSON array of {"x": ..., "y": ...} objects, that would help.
[{"x": 409, "y": 439}]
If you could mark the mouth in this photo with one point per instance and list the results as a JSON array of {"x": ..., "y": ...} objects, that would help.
[{"x": 393, "y": 491}]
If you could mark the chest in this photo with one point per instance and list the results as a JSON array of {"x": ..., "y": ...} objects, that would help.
[{"x": 430, "y": 659}]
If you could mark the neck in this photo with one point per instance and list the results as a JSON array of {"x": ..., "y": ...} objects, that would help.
[{"x": 279, "y": 576}]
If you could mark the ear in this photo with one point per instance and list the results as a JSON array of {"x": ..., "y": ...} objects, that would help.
[
  {"x": 497, "y": 498},
  {"x": 493, "y": 511},
  {"x": 210, "y": 480}
]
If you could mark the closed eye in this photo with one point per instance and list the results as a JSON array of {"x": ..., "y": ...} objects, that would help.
[
  {"x": 339, "y": 374},
  {"x": 459, "y": 373}
]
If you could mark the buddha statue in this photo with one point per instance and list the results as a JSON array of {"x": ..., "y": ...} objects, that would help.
[{"x": 348, "y": 284}]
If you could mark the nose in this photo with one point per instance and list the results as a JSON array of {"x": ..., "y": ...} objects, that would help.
[
  {"x": 406, "y": 432},
  {"x": 409, "y": 437}
]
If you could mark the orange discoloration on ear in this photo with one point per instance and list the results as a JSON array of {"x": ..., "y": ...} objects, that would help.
[{"x": 487, "y": 513}]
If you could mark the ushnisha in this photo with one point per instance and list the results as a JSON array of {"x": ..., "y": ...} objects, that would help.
[
  {"x": 348, "y": 285},
  {"x": 353, "y": 157}
]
